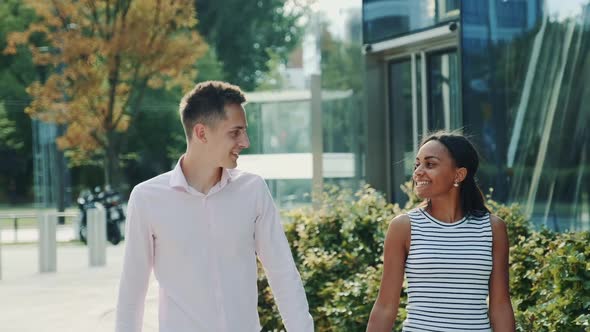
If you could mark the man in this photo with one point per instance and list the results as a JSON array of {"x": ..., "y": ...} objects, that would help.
[{"x": 200, "y": 228}]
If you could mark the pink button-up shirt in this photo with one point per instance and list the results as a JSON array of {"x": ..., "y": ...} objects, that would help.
[{"x": 202, "y": 249}]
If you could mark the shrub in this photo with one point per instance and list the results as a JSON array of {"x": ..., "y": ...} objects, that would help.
[
  {"x": 550, "y": 282},
  {"x": 519, "y": 227},
  {"x": 342, "y": 238},
  {"x": 338, "y": 249}
]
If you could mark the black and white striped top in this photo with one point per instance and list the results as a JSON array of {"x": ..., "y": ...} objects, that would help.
[{"x": 448, "y": 269}]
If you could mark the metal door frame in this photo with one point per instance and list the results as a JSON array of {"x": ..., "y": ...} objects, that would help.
[{"x": 408, "y": 47}]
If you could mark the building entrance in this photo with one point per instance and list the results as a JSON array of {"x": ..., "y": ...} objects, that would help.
[{"x": 423, "y": 96}]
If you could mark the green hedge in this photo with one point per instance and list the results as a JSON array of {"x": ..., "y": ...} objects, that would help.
[{"x": 338, "y": 249}]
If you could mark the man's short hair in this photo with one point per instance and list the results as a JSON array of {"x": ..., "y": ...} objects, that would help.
[{"x": 205, "y": 104}]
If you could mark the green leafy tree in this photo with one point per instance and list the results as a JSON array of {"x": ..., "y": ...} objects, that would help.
[
  {"x": 8, "y": 132},
  {"x": 246, "y": 36},
  {"x": 16, "y": 73},
  {"x": 342, "y": 63},
  {"x": 273, "y": 78},
  {"x": 106, "y": 55},
  {"x": 144, "y": 155},
  {"x": 342, "y": 66}
]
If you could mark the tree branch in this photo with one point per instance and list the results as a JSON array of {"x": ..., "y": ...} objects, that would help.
[
  {"x": 96, "y": 19},
  {"x": 136, "y": 106}
]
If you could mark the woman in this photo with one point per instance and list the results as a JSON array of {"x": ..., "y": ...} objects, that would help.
[{"x": 453, "y": 252}]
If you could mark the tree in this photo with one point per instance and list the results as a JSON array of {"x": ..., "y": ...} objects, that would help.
[
  {"x": 246, "y": 36},
  {"x": 342, "y": 58},
  {"x": 8, "y": 132},
  {"x": 16, "y": 73},
  {"x": 105, "y": 54}
]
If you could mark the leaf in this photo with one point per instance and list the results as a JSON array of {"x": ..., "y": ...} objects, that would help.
[{"x": 100, "y": 54}]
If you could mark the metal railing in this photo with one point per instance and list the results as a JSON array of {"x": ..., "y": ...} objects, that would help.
[
  {"x": 15, "y": 217},
  {"x": 47, "y": 240}
]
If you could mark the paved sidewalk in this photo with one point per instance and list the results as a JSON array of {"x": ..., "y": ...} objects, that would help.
[
  {"x": 64, "y": 233},
  {"x": 75, "y": 298}
]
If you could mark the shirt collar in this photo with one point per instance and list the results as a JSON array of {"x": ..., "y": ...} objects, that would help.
[{"x": 178, "y": 180}]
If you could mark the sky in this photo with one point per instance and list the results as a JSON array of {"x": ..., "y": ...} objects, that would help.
[
  {"x": 565, "y": 8},
  {"x": 335, "y": 13}
]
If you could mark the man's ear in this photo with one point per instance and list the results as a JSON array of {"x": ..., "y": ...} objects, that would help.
[{"x": 200, "y": 132}]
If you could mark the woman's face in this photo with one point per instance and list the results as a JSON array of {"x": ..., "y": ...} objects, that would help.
[{"x": 434, "y": 171}]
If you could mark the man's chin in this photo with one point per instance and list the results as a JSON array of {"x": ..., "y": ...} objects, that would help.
[{"x": 231, "y": 165}]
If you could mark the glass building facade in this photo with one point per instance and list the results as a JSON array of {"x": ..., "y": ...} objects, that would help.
[
  {"x": 513, "y": 75},
  {"x": 282, "y": 146},
  {"x": 384, "y": 19},
  {"x": 280, "y": 123}
]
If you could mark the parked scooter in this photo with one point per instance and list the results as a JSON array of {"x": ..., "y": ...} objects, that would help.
[
  {"x": 111, "y": 201},
  {"x": 85, "y": 201}
]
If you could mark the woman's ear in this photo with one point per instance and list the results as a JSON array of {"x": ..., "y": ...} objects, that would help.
[{"x": 461, "y": 174}]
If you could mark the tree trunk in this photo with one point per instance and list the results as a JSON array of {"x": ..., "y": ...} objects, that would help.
[{"x": 111, "y": 161}]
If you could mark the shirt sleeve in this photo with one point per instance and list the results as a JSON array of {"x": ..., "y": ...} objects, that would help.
[
  {"x": 137, "y": 267},
  {"x": 274, "y": 253}
]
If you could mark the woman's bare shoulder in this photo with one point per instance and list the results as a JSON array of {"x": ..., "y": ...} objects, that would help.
[
  {"x": 400, "y": 225},
  {"x": 497, "y": 223},
  {"x": 400, "y": 221}
]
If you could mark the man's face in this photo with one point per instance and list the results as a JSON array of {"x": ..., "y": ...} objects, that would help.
[{"x": 228, "y": 137}]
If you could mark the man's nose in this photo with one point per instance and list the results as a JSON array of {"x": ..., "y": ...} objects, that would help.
[{"x": 245, "y": 142}]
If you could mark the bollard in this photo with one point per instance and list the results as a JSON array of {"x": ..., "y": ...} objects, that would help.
[
  {"x": 47, "y": 242},
  {"x": 97, "y": 236}
]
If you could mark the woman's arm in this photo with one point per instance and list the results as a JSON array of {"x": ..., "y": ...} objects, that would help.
[
  {"x": 501, "y": 314},
  {"x": 394, "y": 258}
]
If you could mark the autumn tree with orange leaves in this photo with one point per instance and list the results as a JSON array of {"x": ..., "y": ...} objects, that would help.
[{"x": 104, "y": 54}]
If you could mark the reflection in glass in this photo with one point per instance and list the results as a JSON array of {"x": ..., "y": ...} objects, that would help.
[
  {"x": 443, "y": 81},
  {"x": 278, "y": 127},
  {"x": 340, "y": 124},
  {"x": 289, "y": 194},
  {"x": 401, "y": 125},
  {"x": 384, "y": 19},
  {"x": 255, "y": 132},
  {"x": 343, "y": 122},
  {"x": 448, "y": 8},
  {"x": 526, "y": 96}
]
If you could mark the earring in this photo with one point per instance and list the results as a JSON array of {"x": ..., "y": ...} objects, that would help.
[{"x": 456, "y": 184}]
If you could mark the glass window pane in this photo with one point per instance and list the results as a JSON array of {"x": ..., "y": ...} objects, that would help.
[
  {"x": 384, "y": 19},
  {"x": 443, "y": 111},
  {"x": 285, "y": 127},
  {"x": 401, "y": 134},
  {"x": 525, "y": 95}
]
